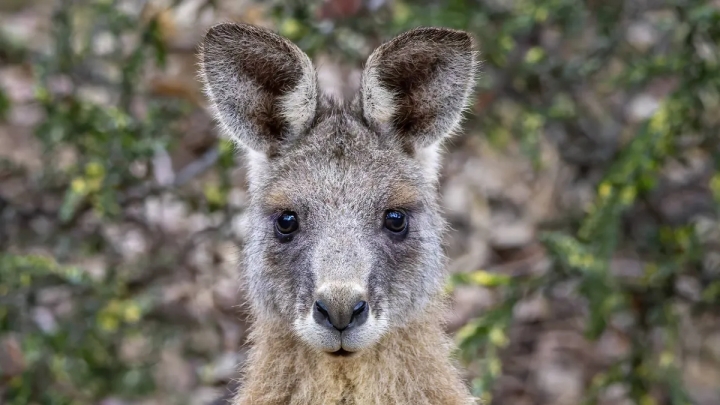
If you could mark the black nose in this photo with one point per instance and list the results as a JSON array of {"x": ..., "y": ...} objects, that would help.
[{"x": 341, "y": 317}]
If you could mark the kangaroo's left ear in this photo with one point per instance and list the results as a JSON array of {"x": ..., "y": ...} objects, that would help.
[
  {"x": 417, "y": 85},
  {"x": 262, "y": 87}
]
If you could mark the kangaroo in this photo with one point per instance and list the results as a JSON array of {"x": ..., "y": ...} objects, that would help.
[{"x": 343, "y": 261}]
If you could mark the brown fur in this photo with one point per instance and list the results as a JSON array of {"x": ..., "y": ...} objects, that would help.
[
  {"x": 340, "y": 168},
  {"x": 409, "y": 366}
]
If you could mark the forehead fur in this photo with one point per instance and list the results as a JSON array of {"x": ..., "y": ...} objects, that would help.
[{"x": 341, "y": 162}]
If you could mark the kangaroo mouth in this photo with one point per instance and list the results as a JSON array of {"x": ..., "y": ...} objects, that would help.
[{"x": 341, "y": 353}]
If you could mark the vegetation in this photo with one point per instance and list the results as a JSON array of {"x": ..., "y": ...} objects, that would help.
[{"x": 555, "y": 72}]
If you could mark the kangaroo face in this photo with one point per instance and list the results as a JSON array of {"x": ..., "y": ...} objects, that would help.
[
  {"x": 344, "y": 236},
  {"x": 344, "y": 230}
]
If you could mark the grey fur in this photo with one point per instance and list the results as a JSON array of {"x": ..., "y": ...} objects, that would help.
[{"x": 340, "y": 166}]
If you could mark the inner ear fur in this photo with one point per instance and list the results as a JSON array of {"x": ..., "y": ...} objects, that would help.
[
  {"x": 417, "y": 85},
  {"x": 262, "y": 88}
]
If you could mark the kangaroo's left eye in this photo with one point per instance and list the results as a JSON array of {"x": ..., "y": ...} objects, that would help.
[
  {"x": 286, "y": 223},
  {"x": 395, "y": 221}
]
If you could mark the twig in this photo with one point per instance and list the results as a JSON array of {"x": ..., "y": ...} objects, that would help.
[{"x": 196, "y": 167}]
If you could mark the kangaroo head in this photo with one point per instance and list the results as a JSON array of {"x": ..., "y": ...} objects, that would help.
[{"x": 344, "y": 239}]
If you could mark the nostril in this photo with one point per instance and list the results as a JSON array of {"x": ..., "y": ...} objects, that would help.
[
  {"x": 320, "y": 307},
  {"x": 360, "y": 307},
  {"x": 360, "y": 314},
  {"x": 340, "y": 318}
]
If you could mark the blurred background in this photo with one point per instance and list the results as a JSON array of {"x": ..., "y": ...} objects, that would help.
[{"x": 583, "y": 197}]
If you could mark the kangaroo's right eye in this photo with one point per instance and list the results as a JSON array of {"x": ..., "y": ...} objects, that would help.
[
  {"x": 286, "y": 223},
  {"x": 395, "y": 221}
]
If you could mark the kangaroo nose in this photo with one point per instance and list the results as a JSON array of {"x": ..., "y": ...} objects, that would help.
[{"x": 340, "y": 317}]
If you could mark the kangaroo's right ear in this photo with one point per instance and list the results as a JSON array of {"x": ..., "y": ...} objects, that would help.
[{"x": 262, "y": 88}]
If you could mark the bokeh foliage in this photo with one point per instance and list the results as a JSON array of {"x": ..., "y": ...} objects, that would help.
[{"x": 77, "y": 361}]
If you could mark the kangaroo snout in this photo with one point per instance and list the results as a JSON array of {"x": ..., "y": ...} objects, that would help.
[
  {"x": 341, "y": 308},
  {"x": 341, "y": 317}
]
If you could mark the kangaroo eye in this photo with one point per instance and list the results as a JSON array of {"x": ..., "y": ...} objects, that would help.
[
  {"x": 395, "y": 221},
  {"x": 286, "y": 223}
]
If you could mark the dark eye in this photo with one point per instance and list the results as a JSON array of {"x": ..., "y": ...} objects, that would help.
[
  {"x": 395, "y": 221},
  {"x": 286, "y": 223}
]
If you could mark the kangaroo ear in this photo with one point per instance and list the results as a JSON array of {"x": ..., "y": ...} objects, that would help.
[
  {"x": 262, "y": 88},
  {"x": 417, "y": 85}
]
